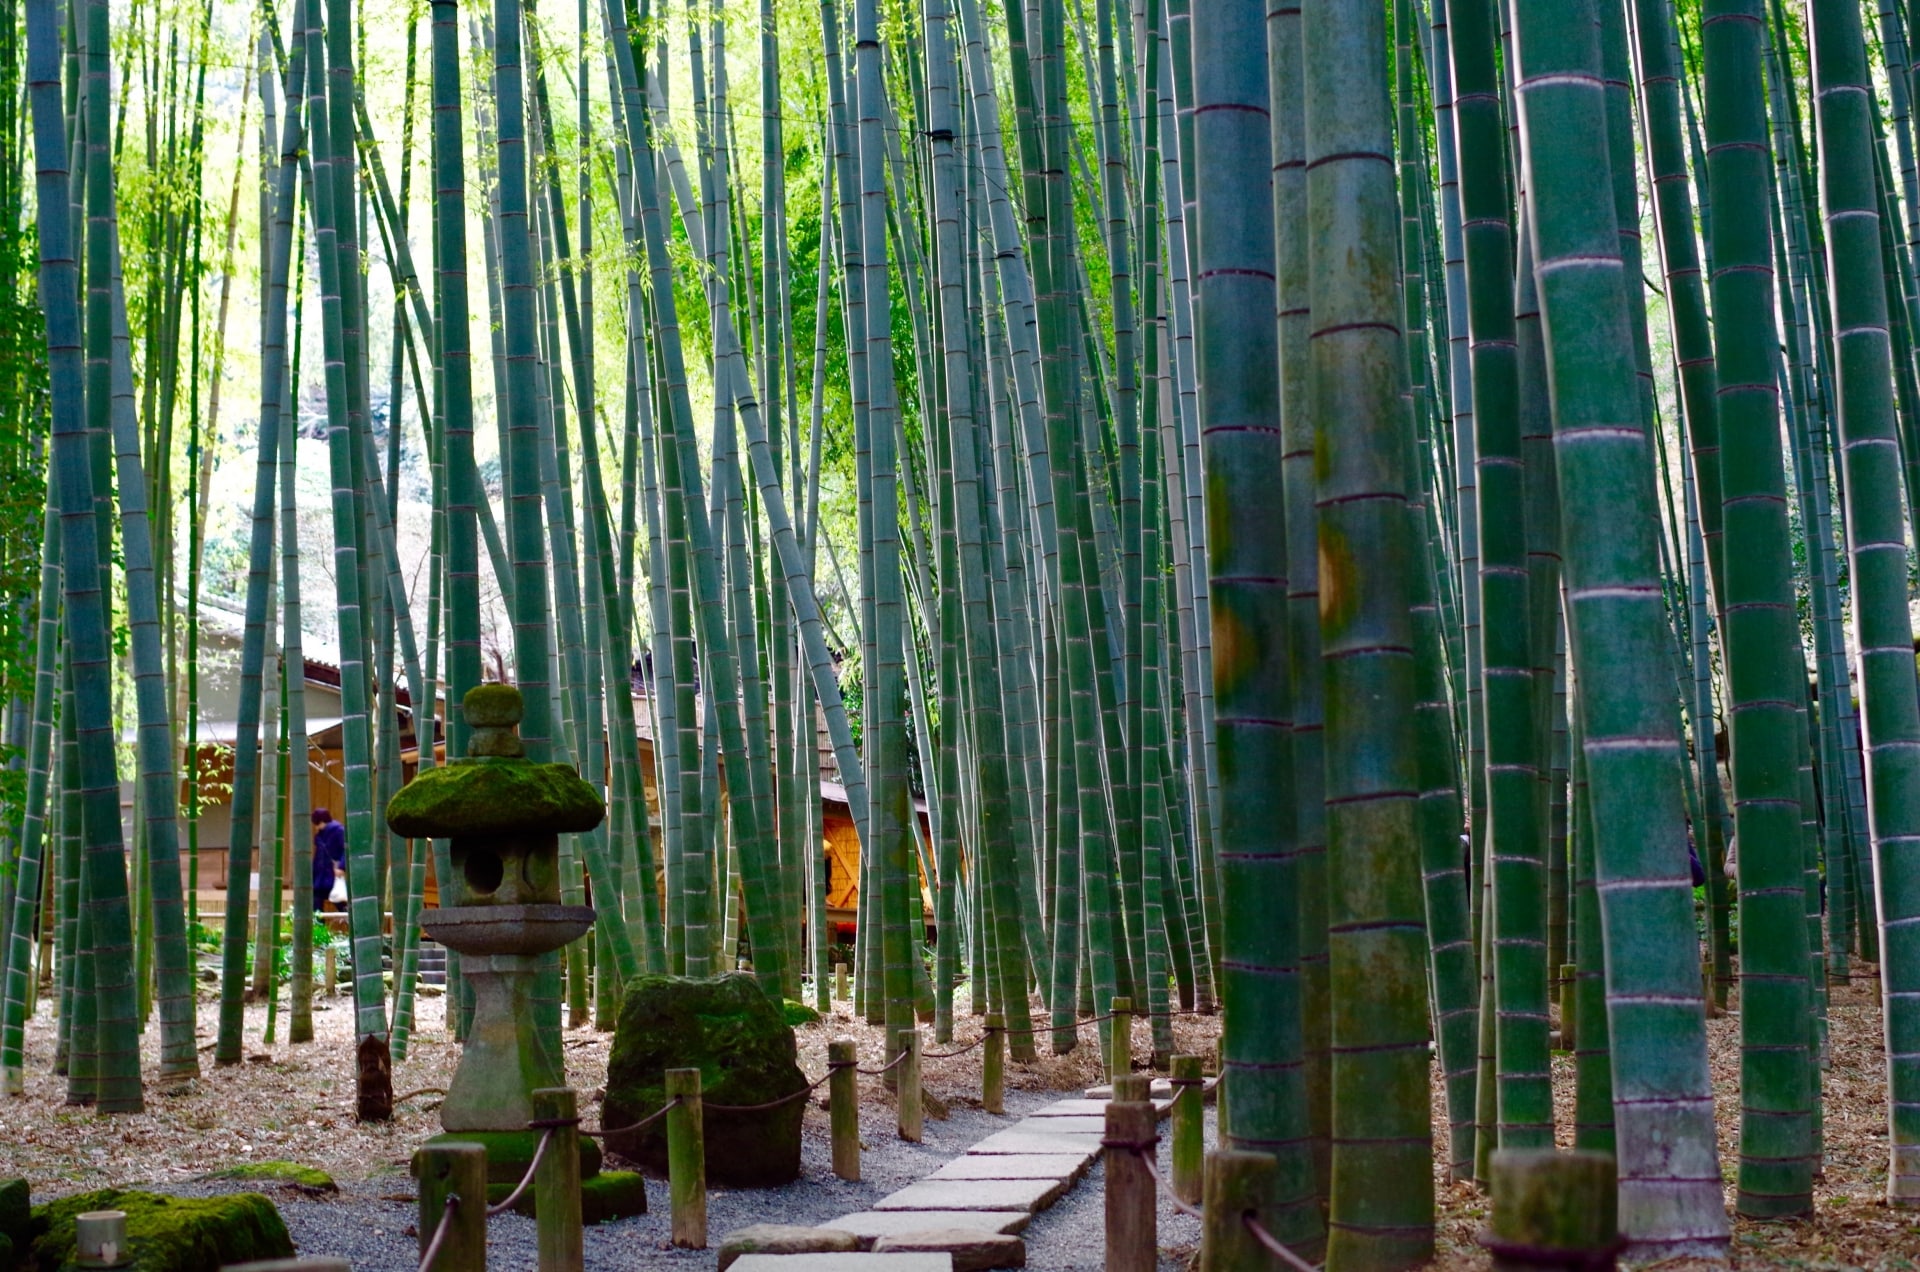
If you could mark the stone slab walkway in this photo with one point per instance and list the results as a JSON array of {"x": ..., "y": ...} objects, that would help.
[{"x": 997, "y": 1186}]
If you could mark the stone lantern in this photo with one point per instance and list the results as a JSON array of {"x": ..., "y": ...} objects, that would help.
[{"x": 505, "y": 815}]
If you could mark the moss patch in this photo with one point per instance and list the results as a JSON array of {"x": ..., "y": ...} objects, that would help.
[
  {"x": 495, "y": 797},
  {"x": 310, "y": 1178},
  {"x": 610, "y": 1195},
  {"x": 797, "y": 1014},
  {"x": 169, "y": 1234}
]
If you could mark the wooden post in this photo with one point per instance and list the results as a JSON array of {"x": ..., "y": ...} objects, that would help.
[
  {"x": 333, "y": 971},
  {"x": 455, "y": 1173},
  {"x": 1552, "y": 1210},
  {"x": 1132, "y": 1088},
  {"x": 993, "y": 1069},
  {"x": 687, "y": 1160},
  {"x": 911, "y": 1119},
  {"x": 1120, "y": 1046},
  {"x": 1569, "y": 1000},
  {"x": 1132, "y": 1210},
  {"x": 556, "y": 1186},
  {"x": 840, "y": 981},
  {"x": 843, "y": 1104},
  {"x": 1237, "y": 1184},
  {"x": 1189, "y": 1125}
]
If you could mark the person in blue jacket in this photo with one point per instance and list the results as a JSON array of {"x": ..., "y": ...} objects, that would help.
[{"x": 329, "y": 856}]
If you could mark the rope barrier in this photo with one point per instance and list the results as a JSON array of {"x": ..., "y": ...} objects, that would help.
[
  {"x": 957, "y": 1051},
  {"x": 1273, "y": 1245},
  {"x": 526, "y": 1180},
  {"x": 896, "y": 1062},
  {"x": 1079, "y": 1022},
  {"x": 440, "y": 1233},
  {"x": 1153, "y": 1168},
  {"x": 642, "y": 1124},
  {"x": 802, "y": 1093}
]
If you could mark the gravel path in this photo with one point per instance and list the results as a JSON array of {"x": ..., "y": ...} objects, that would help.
[{"x": 371, "y": 1223}]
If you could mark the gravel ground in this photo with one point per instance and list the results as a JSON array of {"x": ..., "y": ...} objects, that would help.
[{"x": 371, "y": 1223}]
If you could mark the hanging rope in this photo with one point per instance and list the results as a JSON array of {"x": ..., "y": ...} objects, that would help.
[
  {"x": 440, "y": 1233},
  {"x": 526, "y": 1181}
]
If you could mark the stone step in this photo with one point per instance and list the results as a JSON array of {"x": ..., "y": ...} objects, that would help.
[
  {"x": 870, "y": 1225},
  {"x": 1019, "y": 1139},
  {"x": 1088, "y": 1108},
  {"x": 1160, "y": 1089},
  {"x": 971, "y": 1250},
  {"x": 977, "y": 1194},
  {"x": 1068, "y": 1166},
  {"x": 1078, "y": 1124},
  {"x": 922, "y": 1261}
]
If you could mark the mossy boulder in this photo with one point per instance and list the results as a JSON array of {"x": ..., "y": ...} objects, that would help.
[
  {"x": 797, "y": 1014},
  {"x": 16, "y": 1219},
  {"x": 292, "y": 1174},
  {"x": 168, "y": 1234},
  {"x": 728, "y": 1029},
  {"x": 495, "y": 797}
]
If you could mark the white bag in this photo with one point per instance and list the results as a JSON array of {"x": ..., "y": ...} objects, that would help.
[{"x": 339, "y": 894}]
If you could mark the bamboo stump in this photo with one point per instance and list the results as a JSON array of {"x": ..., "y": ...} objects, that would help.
[
  {"x": 556, "y": 1183},
  {"x": 911, "y": 1113},
  {"x": 1132, "y": 1210},
  {"x": 687, "y": 1160},
  {"x": 840, "y": 981},
  {"x": 1189, "y": 1128},
  {"x": 1552, "y": 1210},
  {"x": 454, "y": 1175},
  {"x": 993, "y": 1067},
  {"x": 843, "y": 1103}
]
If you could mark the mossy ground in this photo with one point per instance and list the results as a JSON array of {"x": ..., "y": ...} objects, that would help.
[
  {"x": 797, "y": 1014},
  {"x": 310, "y": 1178},
  {"x": 610, "y": 1195},
  {"x": 168, "y": 1234}
]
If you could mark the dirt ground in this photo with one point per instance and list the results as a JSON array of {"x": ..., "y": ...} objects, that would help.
[{"x": 295, "y": 1104}]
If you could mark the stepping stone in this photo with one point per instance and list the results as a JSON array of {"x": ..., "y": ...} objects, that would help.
[
  {"x": 972, "y": 1251},
  {"x": 1016, "y": 1166},
  {"x": 870, "y": 1225},
  {"x": 924, "y": 1262},
  {"x": 1158, "y": 1089},
  {"x": 977, "y": 1194},
  {"x": 1078, "y": 1125},
  {"x": 783, "y": 1238},
  {"x": 1072, "y": 1108},
  {"x": 1021, "y": 1140},
  {"x": 1089, "y": 1108}
]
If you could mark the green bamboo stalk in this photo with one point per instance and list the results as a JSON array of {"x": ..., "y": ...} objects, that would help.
[
  {"x": 1765, "y": 674},
  {"x": 1516, "y": 842},
  {"x": 93, "y": 782},
  {"x": 1871, "y": 491},
  {"x": 32, "y": 862},
  {"x": 1669, "y": 1179}
]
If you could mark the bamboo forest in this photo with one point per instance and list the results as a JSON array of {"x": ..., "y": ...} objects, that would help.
[{"x": 1334, "y": 577}]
